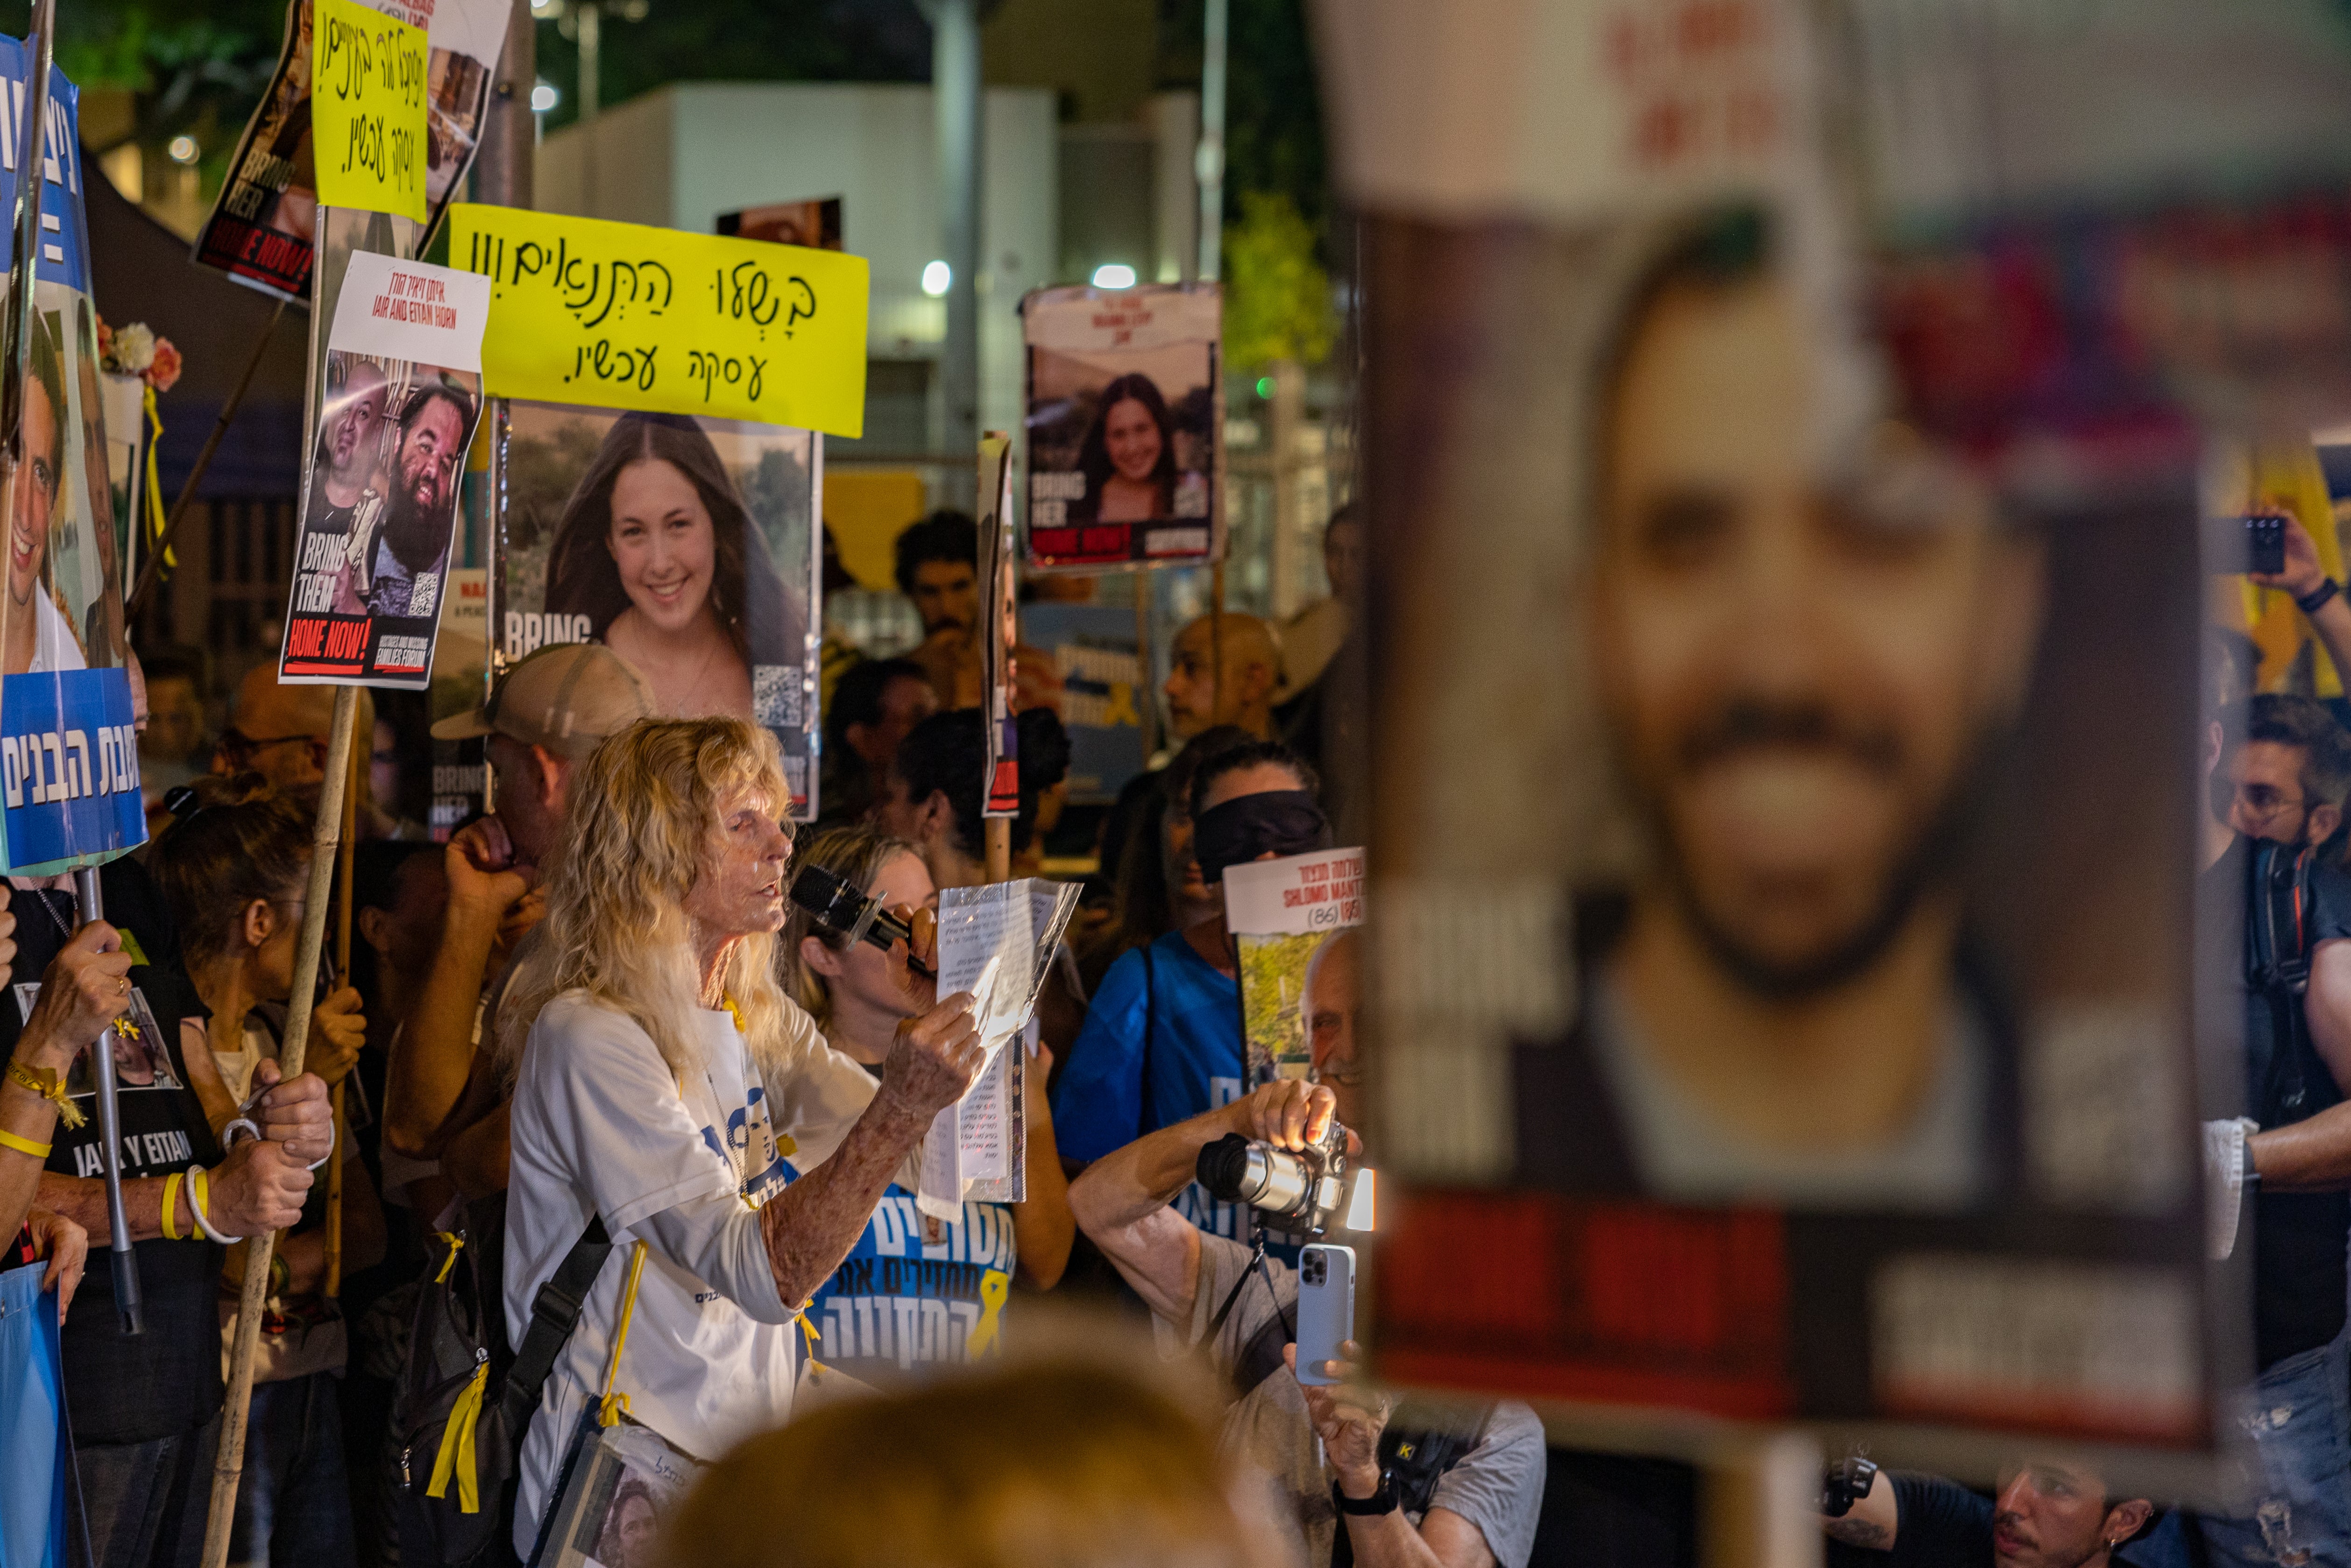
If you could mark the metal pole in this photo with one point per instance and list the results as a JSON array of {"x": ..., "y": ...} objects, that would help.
[
  {"x": 502, "y": 169},
  {"x": 956, "y": 93},
  {"x": 591, "y": 100},
  {"x": 230, "y": 1464},
  {"x": 1208, "y": 166},
  {"x": 119, "y": 1258}
]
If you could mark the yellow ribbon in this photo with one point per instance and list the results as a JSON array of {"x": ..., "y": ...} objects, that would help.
[
  {"x": 456, "y": 1455},
  {"x": 1118, "y": 706},
  {"x": 994, "y": 1289},
  {"x": 155, "y": 516},
  {"x": 613, "y": 1406},
  {"x": 456, "y": 1244}
]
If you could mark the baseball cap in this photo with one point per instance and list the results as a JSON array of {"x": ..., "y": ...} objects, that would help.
[{"x": 565, "y": 699}]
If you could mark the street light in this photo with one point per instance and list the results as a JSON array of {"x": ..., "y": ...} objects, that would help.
[
  {"x": 1113, "y": 275},
  {"x": 544, "y": 97},
  {"x": 182, "y": 150},
  {"x": 938, "y": 277}
]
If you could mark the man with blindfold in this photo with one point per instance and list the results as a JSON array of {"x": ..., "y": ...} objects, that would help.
[{"x": 1162, "y": 1040}]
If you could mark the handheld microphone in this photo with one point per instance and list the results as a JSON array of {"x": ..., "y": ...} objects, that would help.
[{"x": 838, "y": 906}]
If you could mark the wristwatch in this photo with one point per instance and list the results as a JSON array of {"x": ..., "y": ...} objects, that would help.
[{"x": 1382, "y": 1500}]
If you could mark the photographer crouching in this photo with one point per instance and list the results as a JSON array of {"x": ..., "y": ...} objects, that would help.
[{"x": 1463, "y": 1497}]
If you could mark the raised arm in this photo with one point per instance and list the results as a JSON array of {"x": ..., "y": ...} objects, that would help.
[
  {"x": 2303, "y": 576},
  {"x": 430, "y": 1063},
  {"x": 1121, "y": 1200},
  {"x": 1871, "y": 1522},
  {"x": 1042, "y": 1227}
]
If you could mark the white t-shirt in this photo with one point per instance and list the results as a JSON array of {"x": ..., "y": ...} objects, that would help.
[
  {"x": 55, "y": 647},
  {"x": 601, "y": 1128}
]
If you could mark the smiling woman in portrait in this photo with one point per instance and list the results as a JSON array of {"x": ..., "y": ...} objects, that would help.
[
  {"x": 656, "y": 548},
  {"x": 1129, "y": 457}
]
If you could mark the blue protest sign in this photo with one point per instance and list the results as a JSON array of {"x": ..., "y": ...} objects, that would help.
[{"x": 68, "y": 769}]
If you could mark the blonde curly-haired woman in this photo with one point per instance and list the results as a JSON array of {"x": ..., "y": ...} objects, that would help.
[{"x": 660, "y": 1062}]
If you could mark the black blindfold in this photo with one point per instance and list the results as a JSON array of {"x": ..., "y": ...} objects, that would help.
[{"x": 1282, "y": 821}]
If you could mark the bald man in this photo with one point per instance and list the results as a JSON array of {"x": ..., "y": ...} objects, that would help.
[
  {"x": 281, "y": 732},
  {"x": 1197, "y": 700}
]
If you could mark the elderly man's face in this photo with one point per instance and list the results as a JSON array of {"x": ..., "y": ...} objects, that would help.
[
  {"x": 1334, "y": 996},
  {"x": 1797, "y": 674},
  {"x": 351, "y": 436}
]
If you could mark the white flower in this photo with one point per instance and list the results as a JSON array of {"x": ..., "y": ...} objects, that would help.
[{"x": 135, "y": 347}]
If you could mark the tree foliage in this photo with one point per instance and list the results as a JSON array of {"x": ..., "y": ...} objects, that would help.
[{"x": 1277, "y": 295}]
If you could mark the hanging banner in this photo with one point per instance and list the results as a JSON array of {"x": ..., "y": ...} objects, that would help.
[
  {"x": 366, "y": 99},
  {"x": 399, "y": 397},
  {"x": 629, "y": 316},
  {"x": 263, "y": 228},
  {"x": 1125, "y": 420},
  {"x": 1294, "y": 922},
  {"x": 1000, "y": 597},
  {"x": 68, "y": 764},
  {"x": 689, "y": 546}
]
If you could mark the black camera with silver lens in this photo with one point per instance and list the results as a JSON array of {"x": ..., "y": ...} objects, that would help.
[{"x": 1305, "y": 1192}]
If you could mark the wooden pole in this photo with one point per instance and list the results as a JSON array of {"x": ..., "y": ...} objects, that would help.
[
  {"x": 147, "y": 573},
  {"x": 342, "y": 972},
  {"x": 229, "y": 1465},
  {"x": 998, "y": 831}
]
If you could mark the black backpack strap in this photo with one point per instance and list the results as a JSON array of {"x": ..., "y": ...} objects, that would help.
[{"x": 554, "y": 1311}]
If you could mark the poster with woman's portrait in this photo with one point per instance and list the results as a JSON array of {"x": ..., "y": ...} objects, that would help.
[
  {"x": 1124, "y": 408},
  {"x": 688, "y": 547}
]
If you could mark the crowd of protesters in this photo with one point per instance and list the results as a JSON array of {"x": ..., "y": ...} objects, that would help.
[{"x": 590, "y": 1054}]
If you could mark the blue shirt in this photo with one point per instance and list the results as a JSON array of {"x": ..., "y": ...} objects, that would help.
[
  {"x": 1103, "y": 1101},
  {"x": 900, "y": 1300}
]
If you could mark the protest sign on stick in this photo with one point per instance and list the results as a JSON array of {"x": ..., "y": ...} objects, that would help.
[
  {"x": 263, "y": 230},
  {"x": 999, "y": 631},
  {"x": 367, "y": 110},
  {"x": 1294, "y": 921},
  {"x": 404, "y": 391},
  {"x": 628, "y": 316},
  {"x": 1125, "y": 426}
]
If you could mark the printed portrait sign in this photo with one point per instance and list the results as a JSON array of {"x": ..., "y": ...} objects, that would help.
[
  {"x": 689, "y": 546},
  {"x": 1296, "y": 921},
  {"x": 814, "y": 223},
  {"x": 630, "y": 316},
  {"x": 70, "y": 789},
  {"x": 263, "y": 229},
  {"x": 399, "y": 399},
  {"x": 999, "y": 598},
  {"x": 1125, "y": 423},
  {"x": 1773, "y": 576}
]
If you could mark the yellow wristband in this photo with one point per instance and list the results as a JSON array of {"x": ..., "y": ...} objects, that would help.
[
  {"x": 9, "y": 1140},
  {"x": 46, "y": 1083},
  {"x": 171, "y": 1202}
]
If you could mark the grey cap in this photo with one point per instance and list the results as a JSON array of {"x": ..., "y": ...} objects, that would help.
[{"x": 565, "y": 699}]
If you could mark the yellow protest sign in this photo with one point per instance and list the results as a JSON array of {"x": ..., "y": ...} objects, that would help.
[
  {"x": 630, "y": 316},
  {"x": 367, "y": 110}
]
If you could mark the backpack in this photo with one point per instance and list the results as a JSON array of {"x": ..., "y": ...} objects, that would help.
[{"x": 464, "y": 1403}]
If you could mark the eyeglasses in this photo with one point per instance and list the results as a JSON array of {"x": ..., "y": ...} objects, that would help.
[
  {"x": 241, "y": 749},
  {"x": 2263, "y": 801}
]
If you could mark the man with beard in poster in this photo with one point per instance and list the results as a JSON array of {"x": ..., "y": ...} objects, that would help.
[
  {"x": 394, "y": 568},
  {"x": 1804, "y": 650}
]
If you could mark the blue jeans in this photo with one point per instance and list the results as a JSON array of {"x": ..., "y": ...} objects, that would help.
[
  {"x": 2298, "y": 1417},
  {"x": 146, "y": 1501},
  {"x": 294, "y": 1502}
]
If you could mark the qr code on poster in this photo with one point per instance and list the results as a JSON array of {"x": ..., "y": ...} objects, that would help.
[{"x": 776, "y": 696}]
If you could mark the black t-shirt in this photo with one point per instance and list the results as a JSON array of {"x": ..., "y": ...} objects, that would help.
[
  {"x": 2298, "y": 1237},
  {"x": 1938, "y": 1524},
  {"x": 167, "y": 1381}
]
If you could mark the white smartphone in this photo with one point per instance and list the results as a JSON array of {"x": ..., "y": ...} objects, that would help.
[{"x": 1326, "y": 1308}]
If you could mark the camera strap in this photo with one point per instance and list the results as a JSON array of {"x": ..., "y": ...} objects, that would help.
[{"x": 1260, "y": 1357}]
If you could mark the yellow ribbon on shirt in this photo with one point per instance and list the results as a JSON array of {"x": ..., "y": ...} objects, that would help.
[
  {"x": 456, "y": 1455},
  {"x": 615, "y": 1405},
  {"x": 456, "y": 1244},
  {"x": 994, "y": 1289}
]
